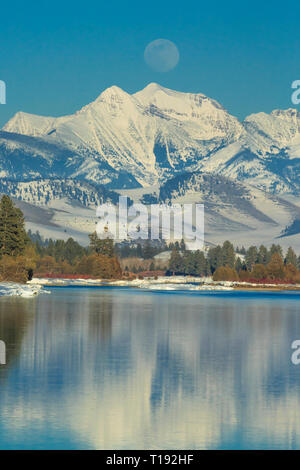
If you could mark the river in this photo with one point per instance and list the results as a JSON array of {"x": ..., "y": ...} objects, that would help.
[{"x": 126, "y": 368}]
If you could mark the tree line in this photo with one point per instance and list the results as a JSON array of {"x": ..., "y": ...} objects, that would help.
[
  {"x": 21, "y": 257},
  {"x": 227, "y": 263},
  {"x": 22, "y": 254}
]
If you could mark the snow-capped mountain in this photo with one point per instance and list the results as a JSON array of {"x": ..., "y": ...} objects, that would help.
[
  {"x": 267, "y": 155},
  {"x": 162, "y": 141},
  {"x": 153, "y": 135},
  {"x": 150, "y": 135}
]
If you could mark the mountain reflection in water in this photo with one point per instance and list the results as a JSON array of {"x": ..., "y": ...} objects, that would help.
[{"x": 117, "y": 368}]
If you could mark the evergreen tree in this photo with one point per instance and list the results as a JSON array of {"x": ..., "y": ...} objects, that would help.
[
  {"x": 214, "y": 258},
  {"x": 251, "y": 257},
  {"x": 200, "y": 263},
  {"x": 263, "y": 257},
  {"x": 207, "y": 268},
  {"x": 59, "y": 249},
  {"x": 182, "y": 246},
  {"x": 139, "y": 251},
  {"x": 276, "y": 249},
  {"x": 176, "y": 262},
  {"x": 238, "y": 264},
  {"x": 72, "y": 250},
  {"x": 152, "y": 266},
  {"x": 101, "y": 246},
  {"x": 148, "y": 251},
  {"x": 13, "y": 237},
  {"x": 50, "y": 248},
  {"x": 228, "y": 255},
  {"x": 177, "y": 246},
  {"x": 291, "y": 257},
  {"x": 189, "y": 263}
]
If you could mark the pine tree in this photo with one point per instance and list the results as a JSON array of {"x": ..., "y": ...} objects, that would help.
[
  {"x": 263, "y": 256},
  {"x": 148, "y": 250},
  {"x": 189, "y": 263},
  {"x": 72, "y": 250},
  {"x": 176, "y": 262},
  {"x": 276, "y": 249},
  {"x": 238, "y": 264},
  {"x": 50, "y": 248},
  {"x": 152, "y": 266},
  {"x": 102, "y": 246},
  {"x": 291, "y": 257},
  {"x": 251, "y": 257},
  {"x": 13, "y": 237},
  {"x": 228, "y": 255},
  {"x": 182, "y": 246},
  {"x": 200, "y": 263},
  {"x": 214, "y": 258}
]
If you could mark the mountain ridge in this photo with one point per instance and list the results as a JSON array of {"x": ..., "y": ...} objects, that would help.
[
  {"x": 156, "y": 133},
  {"x": 176, "y": 146}
]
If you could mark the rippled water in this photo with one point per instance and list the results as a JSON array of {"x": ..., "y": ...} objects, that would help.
[{"x": 121, "y": 368}]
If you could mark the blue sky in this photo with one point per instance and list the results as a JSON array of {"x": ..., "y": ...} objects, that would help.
[{"x": 57, "y": 56}]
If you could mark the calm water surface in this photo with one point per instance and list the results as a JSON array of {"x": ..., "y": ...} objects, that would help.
[{"x": 122, "y": 368}]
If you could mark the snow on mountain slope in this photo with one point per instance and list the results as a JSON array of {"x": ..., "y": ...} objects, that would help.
[
  {"x": 125, "y": 140},
  {"x": 137, "y": 133},
  {"x": 272, "y": 132},
  {"x": 45, "y": 192},
  {"x": 30, "y": 124},
  {"x": 59, "y": 209},
  {"x": 207, "y": 118},
  {"x": 25, "y": 157},
  {"x": 233, "y": 210},
  {"x": 267, "y": 155}
]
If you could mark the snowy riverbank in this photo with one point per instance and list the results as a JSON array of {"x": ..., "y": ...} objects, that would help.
[
  {"x": 166, "y": 283},
  {"x": 161, "y": 283},
  {"x": 19, "y": 290}
]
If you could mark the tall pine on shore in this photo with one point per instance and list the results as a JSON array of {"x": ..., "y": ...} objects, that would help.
[
  {"x": 13, "y": 237},
  {"x": 102, "y": 246}
]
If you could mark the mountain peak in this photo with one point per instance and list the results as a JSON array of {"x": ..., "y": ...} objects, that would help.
[
  {"x": 29, "y": 124},
  {"x": 113, "y": 99},
  {"x": 153, "y": 87},
  {"x": 112, "y": 91},
  {"x": 155, "y": 91}
]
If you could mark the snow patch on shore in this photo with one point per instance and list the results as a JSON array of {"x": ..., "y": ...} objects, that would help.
[
  {"x": 161, "y": 283},
  {"x": 13, "y": 289}
]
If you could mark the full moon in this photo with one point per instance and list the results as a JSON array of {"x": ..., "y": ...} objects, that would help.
[{"x": 161, "y": 55}]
